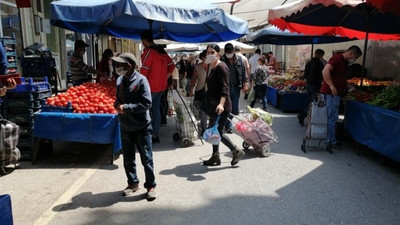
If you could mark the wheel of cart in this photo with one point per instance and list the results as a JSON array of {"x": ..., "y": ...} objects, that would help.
[{"x": 185, "y": 142}]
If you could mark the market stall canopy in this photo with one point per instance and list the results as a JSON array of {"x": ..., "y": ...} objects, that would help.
[
  {"x": 182, "y": 47},
  {"x": 178, "y": 20},
  {"x": 253, "y": 11},
  {"x": 347, "y": 18},
  {"x": 391, "y": 6},
  {"x": 273, "y": 35},
  {"x": 244, "y": 48}
]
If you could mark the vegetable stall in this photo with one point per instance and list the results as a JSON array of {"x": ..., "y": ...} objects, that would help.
[{"x": 372, "y": 116}]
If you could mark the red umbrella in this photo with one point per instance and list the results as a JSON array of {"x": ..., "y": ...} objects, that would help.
[
  {"x": 392, "y": 6},
  {"x": 348, "y": 18}
]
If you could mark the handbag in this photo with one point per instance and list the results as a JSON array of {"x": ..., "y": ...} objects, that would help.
[
  {"x": 9, "y": 136},
  {"x": 211, "y": 135}
]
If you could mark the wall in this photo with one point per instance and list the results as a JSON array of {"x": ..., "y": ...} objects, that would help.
[{"x": 385, "y": 60}]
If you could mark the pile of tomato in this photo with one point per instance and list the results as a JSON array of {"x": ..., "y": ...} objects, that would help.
[{"x": 87, "y": 98}]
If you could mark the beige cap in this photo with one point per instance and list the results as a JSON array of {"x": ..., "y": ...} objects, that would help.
[{"x": 122, "y": 58}]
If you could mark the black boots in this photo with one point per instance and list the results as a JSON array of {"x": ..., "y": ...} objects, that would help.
[{"x": 215, "y": 160}]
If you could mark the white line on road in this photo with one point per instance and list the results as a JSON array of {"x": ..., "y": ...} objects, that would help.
[{"x": 66, "y": 197}]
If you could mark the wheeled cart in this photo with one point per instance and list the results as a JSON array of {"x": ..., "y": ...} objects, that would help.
[
  {"x": 317, "y": 127},
  {"x": 256, "y": 133},
  {"x": 186, "y": 123}
]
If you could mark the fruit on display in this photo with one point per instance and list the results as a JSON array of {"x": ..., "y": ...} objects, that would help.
[
  {"x": 287, "y": 83},
  {"x": 388, "y": 98},
  {"x": 359, "y": 96},
  {"x": 367, "y": 82},
  {"x": 87, "y": 98}
]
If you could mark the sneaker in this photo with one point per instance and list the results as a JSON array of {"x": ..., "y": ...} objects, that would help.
[
  {"x": 155, "y": 139},
  {"x": 151, "y": 193},
  {"x": 130, "y": 189},
  {"x": 237, "y": 155}
]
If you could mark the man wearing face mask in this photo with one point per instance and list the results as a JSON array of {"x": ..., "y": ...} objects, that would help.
[
  {"x": 80, "y": 72},
  {"x": 157, "y": 66},
  {"x": 334, "y": 86},
  {"x": 133, "y": 105},
  {"x": 237, "y": 80}
]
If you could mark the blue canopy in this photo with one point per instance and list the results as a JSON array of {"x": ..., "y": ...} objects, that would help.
[
  {"x": 177, "y": 20},
  {"x": 273, "y": 35}
]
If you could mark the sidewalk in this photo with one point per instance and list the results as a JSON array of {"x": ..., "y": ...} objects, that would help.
[{"x": 77, "y": 185}]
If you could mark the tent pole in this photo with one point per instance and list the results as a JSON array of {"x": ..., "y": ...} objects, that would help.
[{"x": 363, "y": 70}]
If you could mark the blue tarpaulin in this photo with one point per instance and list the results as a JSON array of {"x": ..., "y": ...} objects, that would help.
[
  {"x": 79, "y": 127},
  {"x": 6, "y": 216},
  {"x": 375, "y": 127},
  {"x": 177, "y": 20}
]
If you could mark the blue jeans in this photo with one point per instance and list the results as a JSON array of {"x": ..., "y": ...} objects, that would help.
[
  {"x": 332, "y": 105},
  {"x": 140, "y": 139},
  {"x": 260, "y": 91},
  {"x": 156, "y": 111},
  {"x": 234, "y": 93}
]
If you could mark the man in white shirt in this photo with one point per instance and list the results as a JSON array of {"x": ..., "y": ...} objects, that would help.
[{"x": 253, "y": 62}]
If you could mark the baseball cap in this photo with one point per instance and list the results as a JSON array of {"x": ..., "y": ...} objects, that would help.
[
  {"x": 237, "y": 48},
  {"x": 124, "y": 57},
  {"x": 228, "y": 48},
  {"x": 79, "y": 43}
]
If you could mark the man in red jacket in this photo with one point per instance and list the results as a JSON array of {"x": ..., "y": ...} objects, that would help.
[{"x": 157, "y": 66}]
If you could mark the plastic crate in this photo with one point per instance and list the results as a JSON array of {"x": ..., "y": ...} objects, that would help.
[
  {"x": 26, "y": 153},
  {"x": 31, "y": 86},
  {"x": 21, "y": 110},
  {"x": 21, "y": 103},
  {"x": 48, "y": 108},
  {"x": 29, "y": 95},
  {"x": 26, "y": 141},
  {"x": 19, "y": 118},
  {"x": 26, "y": 129},
  {"x": 10, "y": 41}
]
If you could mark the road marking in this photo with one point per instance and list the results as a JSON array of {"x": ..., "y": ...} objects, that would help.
[{"x": 69, "y": 193}]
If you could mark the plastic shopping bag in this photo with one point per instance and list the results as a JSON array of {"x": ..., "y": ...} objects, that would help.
[
  {"x": 211, "y": 135},
  {"x": 252, "y": 95},
  {"x": 259, "y": 113}
]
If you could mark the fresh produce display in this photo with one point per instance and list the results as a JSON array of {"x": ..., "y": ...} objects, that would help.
[
  {"x": 87, "y": 98},
  {"x": 388, "y": 98},
  {"x": 287, "y": 83},
  {"x": 359, "y": 96},
  {"x": 367, "y": 82}
]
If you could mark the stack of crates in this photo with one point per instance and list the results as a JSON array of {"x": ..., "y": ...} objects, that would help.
[
  {"x": 19, "y": 105},
  {"x": 40, "y": 66}
]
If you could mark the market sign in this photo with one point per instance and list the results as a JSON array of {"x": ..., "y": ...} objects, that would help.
[{"x": 23, "y": 3}]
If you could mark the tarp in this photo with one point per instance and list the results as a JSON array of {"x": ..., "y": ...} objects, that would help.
[
  {"x": 178, "y": 20},
  {"x": 273, "y": 35},
  {"x": 375, "y": 127}
]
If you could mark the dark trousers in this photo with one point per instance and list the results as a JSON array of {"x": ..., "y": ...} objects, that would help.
[
  {"x": 224, "y": 138},
  {"x": 140, "y": 140}
]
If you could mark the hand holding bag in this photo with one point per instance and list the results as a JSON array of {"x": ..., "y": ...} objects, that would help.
[{"x": 211, "y": 135}]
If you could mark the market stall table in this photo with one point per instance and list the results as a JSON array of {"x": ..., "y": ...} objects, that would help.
[
  {"x": 78, "y": 127},
  {"x": 375, "y": 127},
  {"x": 287, "y": 101}
]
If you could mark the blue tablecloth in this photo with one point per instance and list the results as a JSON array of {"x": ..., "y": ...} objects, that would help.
[
  {"x": 272, "y": 96},
  {"x": 375, "y": 127},
  {"x": 79, "y": 127},
  {"x": 293, "y": 101}
]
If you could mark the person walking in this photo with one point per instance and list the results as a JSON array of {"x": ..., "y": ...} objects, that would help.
[
  {"x": 198, "y": 85},
  {"x": 313, "y": 76},
  {"x": 157, "y": 66},
  {"x": 217, "y": 87},
  {"x": 259, "y": 80},
  {"x": 80, "y": 72},
  {"x": 334, "y": 87},
  {"x": 253, "y": 64},
  {"x": 133, "y": 103},
  {"x": 237, "y": 80}
]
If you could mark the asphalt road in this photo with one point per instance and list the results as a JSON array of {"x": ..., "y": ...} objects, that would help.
[{"x": 77, "y": 185}]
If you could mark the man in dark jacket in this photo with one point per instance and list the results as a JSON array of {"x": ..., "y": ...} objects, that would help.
[
  {"x": 313, "y": 75},
  {"x": 237, "y": 80},
  {"x": 133, "y": 104},
  {"x": 80, "y": 72}
]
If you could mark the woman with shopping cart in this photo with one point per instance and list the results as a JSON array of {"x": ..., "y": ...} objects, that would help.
[{"x": 217, "y": 102}]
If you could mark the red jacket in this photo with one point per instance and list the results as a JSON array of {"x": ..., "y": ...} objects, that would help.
[{"x": 156, "y": 64}]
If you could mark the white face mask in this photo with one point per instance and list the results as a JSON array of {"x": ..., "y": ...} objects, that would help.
[
  {"x": 210, "y": 59},
  {"x": 120, "y": 71},
  {"x": 229, "y": 56}
]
